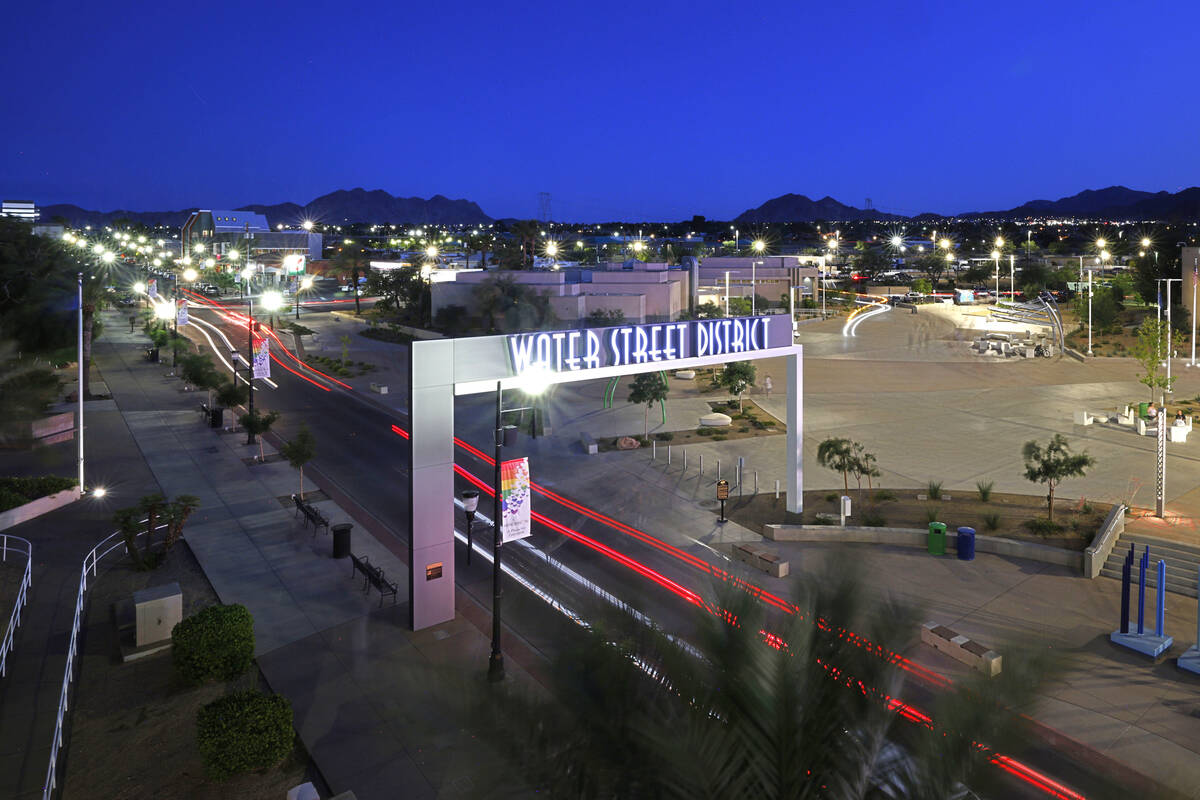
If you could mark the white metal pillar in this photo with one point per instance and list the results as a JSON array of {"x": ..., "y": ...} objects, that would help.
[
  {"x": 431, "y": 484},
  {"x": 795, "y": 432}
]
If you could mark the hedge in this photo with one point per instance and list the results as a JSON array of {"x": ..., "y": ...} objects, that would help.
[
  {"x": 19, "y": 491},
  {"x": 217, "y": 642},
  {"x": 244, "y": 731}
]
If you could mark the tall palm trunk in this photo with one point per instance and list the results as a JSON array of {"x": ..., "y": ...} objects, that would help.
[
  {"x": 301, "y": 481},
  {"x": 89, "y": 314}
]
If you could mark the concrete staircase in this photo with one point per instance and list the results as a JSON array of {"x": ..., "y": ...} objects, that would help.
[{"x": 1182, "y": 562}]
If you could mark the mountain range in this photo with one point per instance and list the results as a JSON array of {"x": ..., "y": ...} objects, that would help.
[
  {"x": 1113, "y": 203},
  {"x": 343, "y": 206}
]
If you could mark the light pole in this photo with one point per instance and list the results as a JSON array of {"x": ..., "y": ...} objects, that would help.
[
  {"x": 272, "y": 301},
  {"x": 470, "y": 501},
  {"x": 1089, "y": 350},
  {"x": 1012, "y": 281},
  {"x": 996, "y": 256},
  {"x": 79, "y": 390},
  {"x": 759, "y": 247},
  {"x": 535, "y": 383},
  {"x": 727, "y": 293},
  {"x": 1168, "y": 282},
  {"x": 305, "y": 284},
  {"x": 250, "y": 365}
]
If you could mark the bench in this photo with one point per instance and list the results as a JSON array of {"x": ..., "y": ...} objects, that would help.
[
  {"x": 761, "y": 558},
  {"x": 373, "y": 576},
  {"x": 588, "y": 443},
  {"x": 960, "y": 648},
  {"x": 311, "y": 514}
]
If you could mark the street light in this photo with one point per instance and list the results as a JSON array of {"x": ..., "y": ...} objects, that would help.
[
  {"x": 272, "y": 301},
  {"x": 996, "y": 256},
  {"x": 470, "y": 501},
  {"x": 307, "y": 225},
  {"x": 305, "y": 284},
  {"x": 533, "y": 383},
  {"x": 759, "y": 245},
  {"x": 190, "y": 275}
]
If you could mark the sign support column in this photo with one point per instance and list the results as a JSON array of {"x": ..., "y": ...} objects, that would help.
[{"x": 795, "y": 431}]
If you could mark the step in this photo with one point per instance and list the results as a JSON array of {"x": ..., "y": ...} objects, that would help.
[{"x": 1174, "y": 585}]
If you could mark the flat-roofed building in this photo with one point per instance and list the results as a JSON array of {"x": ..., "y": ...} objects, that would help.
[{"x": 24, "y": 210}]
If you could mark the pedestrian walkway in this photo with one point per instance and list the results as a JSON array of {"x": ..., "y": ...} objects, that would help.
[{"x": 356, "y": 676}]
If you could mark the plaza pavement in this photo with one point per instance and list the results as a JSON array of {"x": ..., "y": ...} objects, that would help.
[{"x": 909, "y": 387}]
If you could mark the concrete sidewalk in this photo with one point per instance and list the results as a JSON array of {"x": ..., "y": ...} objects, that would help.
[{"x": 356, "y": 676}]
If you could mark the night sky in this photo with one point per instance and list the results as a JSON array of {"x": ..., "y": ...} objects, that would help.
[{"x": 649, "y": 110}]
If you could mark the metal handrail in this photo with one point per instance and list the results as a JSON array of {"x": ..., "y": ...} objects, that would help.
[
  {"x": 14, "y": 543},
  {"x": 90, "y": 562}
]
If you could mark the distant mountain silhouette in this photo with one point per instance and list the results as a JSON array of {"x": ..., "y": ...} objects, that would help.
[
  {"x": 374, "y": 207},
  {"x": 798, "y": 208},
  {"x": 336, "y": 208},
  {"x": 1113, "y": 202}
]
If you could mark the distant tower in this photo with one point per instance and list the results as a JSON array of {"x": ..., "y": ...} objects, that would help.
[
  {"x": 869, "y": 206},
  {"x": 544, "y": 206}
]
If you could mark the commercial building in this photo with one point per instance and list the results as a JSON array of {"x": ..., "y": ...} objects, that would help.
[
  {"x": 24, "y": 210},
  {"x": 219, "y": 231}
]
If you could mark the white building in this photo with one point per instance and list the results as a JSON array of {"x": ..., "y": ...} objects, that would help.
[{"x": 20, "y": 209}]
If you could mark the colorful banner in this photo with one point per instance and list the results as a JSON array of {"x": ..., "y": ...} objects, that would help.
[
  {"x": 262, "y": 358},
  {"x": 152, "y": 287},
  {"x": 514, "y": 493},
  {"x": 294, "y": 264},
  {"x": 181, "y": 312}
]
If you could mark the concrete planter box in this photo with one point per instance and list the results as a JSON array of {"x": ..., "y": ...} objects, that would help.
[
  {"x": 35, "y": 508},
  {"x": 914, "y": 537}
]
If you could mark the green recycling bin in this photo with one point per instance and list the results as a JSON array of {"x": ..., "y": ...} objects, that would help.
[
  {"x": 937, "y": 538},
  {"x": 1143, "y": 408}
]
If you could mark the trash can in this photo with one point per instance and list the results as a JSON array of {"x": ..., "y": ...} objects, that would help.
[
  {"x": 937, "y": 538},
  {"x": 341, "y": 540},
  {"x": 966, "y": 544},
  {"x": 1143, "y": 410},
  {"x": 216, "y": 417}
]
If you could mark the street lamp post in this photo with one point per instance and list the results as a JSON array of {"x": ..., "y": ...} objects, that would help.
[
  {"x": 1012, "y": 281},
  {"x": 79, "y": 390},
  {"x": 1089, "y": 350},
  {"x": 727, "y": 293},
  {"x": 996, "y": 257},
  {"x": 250, "y": 365},
  {"x": 470, "y": 500},
  {"x": 305, "y": 284}
]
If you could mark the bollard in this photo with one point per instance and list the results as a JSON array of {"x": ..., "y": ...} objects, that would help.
[
  {"x": 668, "y": 455},
  {"x": 685, "y": 459},
  {"x": 654, "y": 450},
  {"x": 776, "y": 488},
  {"x": 755, "y": 482},
  {"x": 718, "y": 470},
  {"x": 702, "y": 464}
]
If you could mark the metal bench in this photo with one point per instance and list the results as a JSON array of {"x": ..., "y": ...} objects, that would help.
[
  {"x": 373, "y": 576},
  {"x": 311, "y": 514}
]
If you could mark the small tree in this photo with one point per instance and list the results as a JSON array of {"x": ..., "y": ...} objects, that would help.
[
  {"x": 1151, "y": 351},
  {"x": 299, "y": 450},
  {"x": 922, "y": 286},
  {"x": 838, "y": 455},
  {"x": 648, "y": 388},
  {"x": 1050, "y": 465},
  {"x": 243, "y": 732},
  {"x": 865, "y": 466},
  {"x": 737, "y": 377},
  {"x": 258, "y": 423},
  {"x": 231, "y": 394}
]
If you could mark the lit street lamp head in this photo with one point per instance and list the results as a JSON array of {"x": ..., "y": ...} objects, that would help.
[
  {"x": 306, "y": 282},
  {"x": 190, "y": 275},
  {"x": 139, "y": 287},
  {"x": 759, "y": 245},
  {"x": 307, "y": 225},
  {"x": 272, "y": 300}
]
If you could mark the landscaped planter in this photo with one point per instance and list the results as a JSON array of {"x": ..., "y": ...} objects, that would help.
[{"x": 35, "y": 508}]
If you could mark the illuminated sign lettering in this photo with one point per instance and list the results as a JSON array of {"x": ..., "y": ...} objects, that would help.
[{"x": 574, "y": 351}]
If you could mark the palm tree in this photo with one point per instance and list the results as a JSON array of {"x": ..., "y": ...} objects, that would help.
[
  {"x": 526, "y": 232},
  {"x": 753, "y": 707},
  {"x": 838, "y": 455}
]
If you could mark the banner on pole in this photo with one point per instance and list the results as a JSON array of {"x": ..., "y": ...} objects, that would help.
[
  {"x": 262, "y": 358},
  {"x": 152, "y": 287},
  {"x": 514, "y": 493},
  {"x": 181, "y": 311}
]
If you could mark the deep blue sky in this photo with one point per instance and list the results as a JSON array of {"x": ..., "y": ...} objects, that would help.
[{"x": 639, "y": 110}]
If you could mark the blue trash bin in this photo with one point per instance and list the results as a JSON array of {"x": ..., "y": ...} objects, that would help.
[{"x": 966, "y": 544}]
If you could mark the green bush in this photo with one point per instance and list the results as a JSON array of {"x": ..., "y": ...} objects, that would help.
[
  {"x": 665, "y": 436},
  {"x": 934, "y": 490},
  {"x": 1043, "y": 527},
  {"x": 985, "y": 490},
  {"x": 719, "y": 438},
  {"x": 744, "y": 429},
  {"x": 217, "y": 642},
  {"x": 991, "y": 521},
  {"x": 706, "y": 431},
  {"x": 932, "y": 513},
  {"x": 243, "y": 732},
  {"x": 873, "y": 519},
  {"x": 19, "y": 491},
  {"x": 832, "y": 497},
  {"x": 884, "y": 495}
]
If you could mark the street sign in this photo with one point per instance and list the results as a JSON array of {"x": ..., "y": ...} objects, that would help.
[{"x": 722, "y": 490}]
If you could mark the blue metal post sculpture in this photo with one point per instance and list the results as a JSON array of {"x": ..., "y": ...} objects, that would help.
[
  {"x": 1190, "y": 660},
  {"x": 1145, "y": 562},
  {"x": 1160, "y": 599},
  {"x": 1126, "y": 570}
]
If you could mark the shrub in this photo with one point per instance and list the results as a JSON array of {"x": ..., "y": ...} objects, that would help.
[
  {"x": 1043, "y": 527},
  {"x": 665, "y": 436},
  {"x": 873, "y": 519},
  {"x": 242, "y": 732},
  {"x": 720, "y": 438},
  {"x": 991, "y": 520},
  {"x": 832, "y": 497},
  {"x": 19, "y": 491},
  {"x": 706, "y": 431},
  {"x": 744, "y": 429},
  {"x": 885, "y": 495},
  {"x": 217, "y": 642},
  {"x": 932, "y": 513},
  {"x": 985, "y": 490},
  {"x": 934, "y": 490}
]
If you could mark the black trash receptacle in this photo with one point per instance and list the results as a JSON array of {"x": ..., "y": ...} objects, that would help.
[
  {"x": 216, "y": 417},
  {"x": 341, "y": 540},
  {"x": 966, "y": 544}
]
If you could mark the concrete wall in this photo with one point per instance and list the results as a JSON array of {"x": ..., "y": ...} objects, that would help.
[{"x": 35, "y": 508}]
